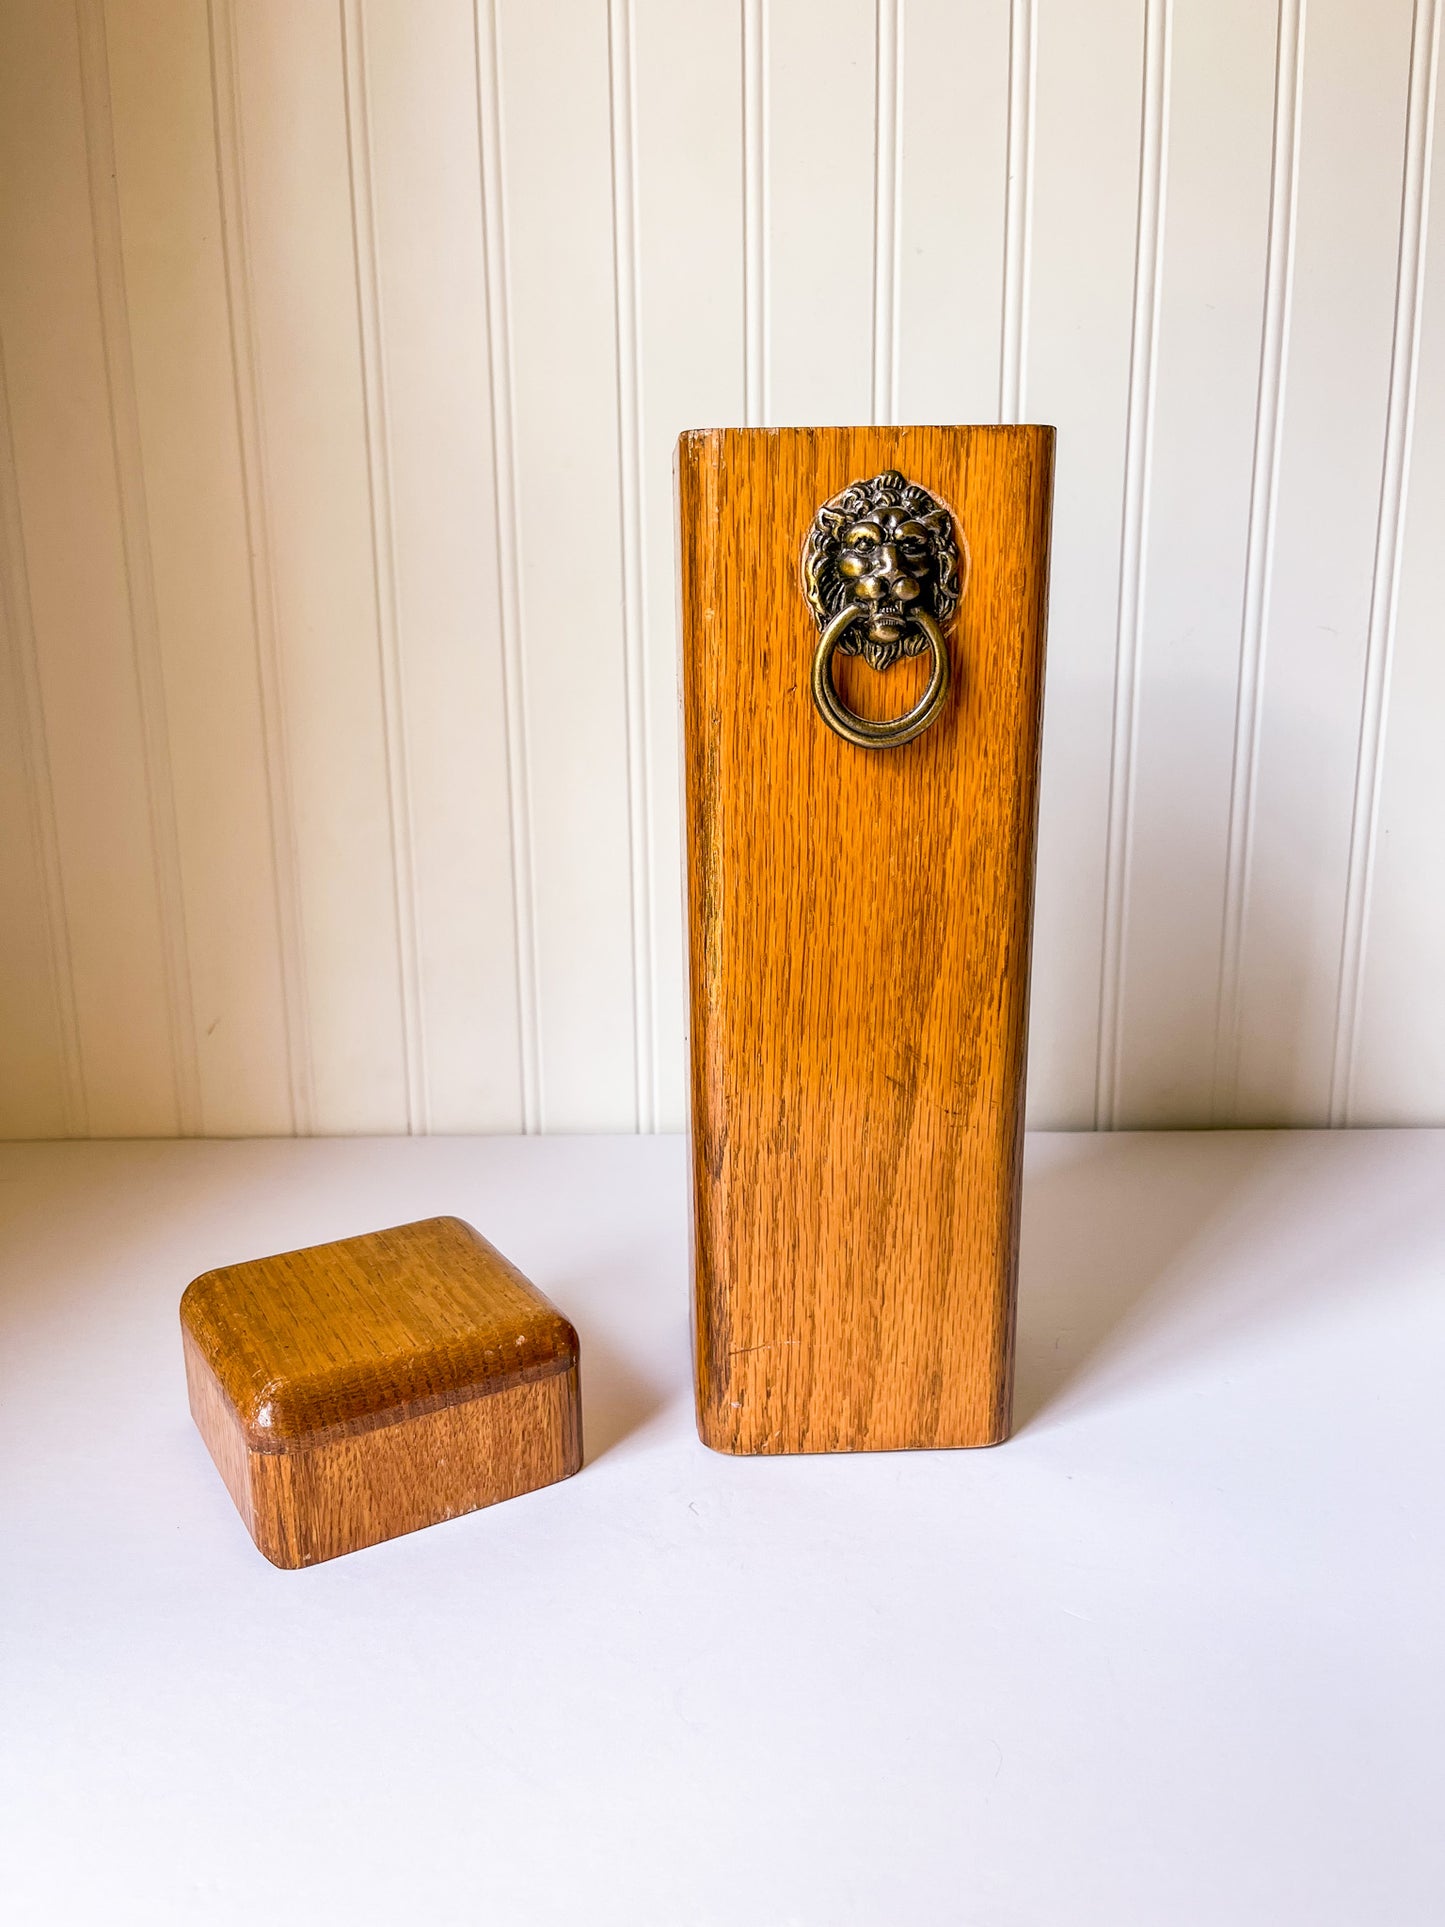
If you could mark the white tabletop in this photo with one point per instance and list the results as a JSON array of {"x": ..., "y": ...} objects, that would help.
[{"x": 1171, "y": 1656}]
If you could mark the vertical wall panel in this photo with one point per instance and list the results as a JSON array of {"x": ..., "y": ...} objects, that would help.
[
  {"x": 1336, "y": 385},
  {"x": 554, "y": 106},
  {"x": 424, "y": 156},
  {"x": 366, "y": 266},
  {"x": 687, "y": 74},
  {"x": 301, "y": 284},
  {"x": 1212, "y": 290},
  {"x": 32, "y": 1099},
  {"x": 79, "y": 589},
  {"x": 952, "y": 190},
  {"x": 816, "y": 154},
  {"x": 37, "y": 1012},
  {"x": 1399, "y": 1049},
  {"x": 159, "y": 80},
  {"x": 142, "y": 608},
  {"x": 1088, "y": 102}
]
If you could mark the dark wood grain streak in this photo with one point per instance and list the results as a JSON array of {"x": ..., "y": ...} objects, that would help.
[{"x": 858, "y": 931}]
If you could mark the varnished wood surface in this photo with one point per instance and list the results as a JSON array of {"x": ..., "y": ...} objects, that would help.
[
  {"x": 317, "y": 1344},
  {"x": 858, "y": 927},
  {"x": 309, "y": 1504},
  {"x": 355, "y": 1391}
]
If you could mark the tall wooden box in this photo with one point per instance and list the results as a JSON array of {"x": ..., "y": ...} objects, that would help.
[{"x": 859, "y": 903}]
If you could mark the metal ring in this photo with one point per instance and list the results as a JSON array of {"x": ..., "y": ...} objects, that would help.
[{"x": 892, "y": 730}]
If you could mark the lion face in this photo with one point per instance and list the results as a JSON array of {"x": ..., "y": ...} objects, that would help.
[{"x": 887, "y": 549}]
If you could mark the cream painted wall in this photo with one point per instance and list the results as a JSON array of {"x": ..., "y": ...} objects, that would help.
[{"x": 344, "y": 348}]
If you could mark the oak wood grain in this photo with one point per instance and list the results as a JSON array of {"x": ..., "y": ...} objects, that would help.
[
  {"x": 355, "y": 1391},
  {"x": 858, "y": 934}
]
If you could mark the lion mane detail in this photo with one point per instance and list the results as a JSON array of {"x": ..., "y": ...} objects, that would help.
[{"x": 827, "y": 591}]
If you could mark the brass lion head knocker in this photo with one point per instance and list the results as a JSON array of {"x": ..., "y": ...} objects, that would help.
[{"x": 882, "y": 573}]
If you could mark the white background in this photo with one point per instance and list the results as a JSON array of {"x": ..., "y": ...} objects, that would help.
[
  {"x": 1168, "y": 1658},
  {"x": 344, "y": 349}
]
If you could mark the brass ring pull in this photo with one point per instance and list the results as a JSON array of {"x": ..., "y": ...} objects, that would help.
[
  {"x": 884, "y": 567},
  {"x": 889, "y": 731}
]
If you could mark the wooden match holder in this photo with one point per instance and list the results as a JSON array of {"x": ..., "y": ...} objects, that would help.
[
  {"x": 861, "y": 785},
  {"x": 355, "y": 1391}
]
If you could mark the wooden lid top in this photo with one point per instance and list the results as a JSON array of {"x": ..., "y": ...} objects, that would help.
[{"x": 317, "y": 1344}]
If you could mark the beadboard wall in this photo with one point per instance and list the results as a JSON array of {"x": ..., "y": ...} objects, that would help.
[{"x": 344, "y": 349}]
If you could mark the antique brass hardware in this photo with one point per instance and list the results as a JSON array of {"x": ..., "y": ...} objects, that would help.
[
  {"x": 882, "y": 573},
  {"x": 859, "y": 729}
]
